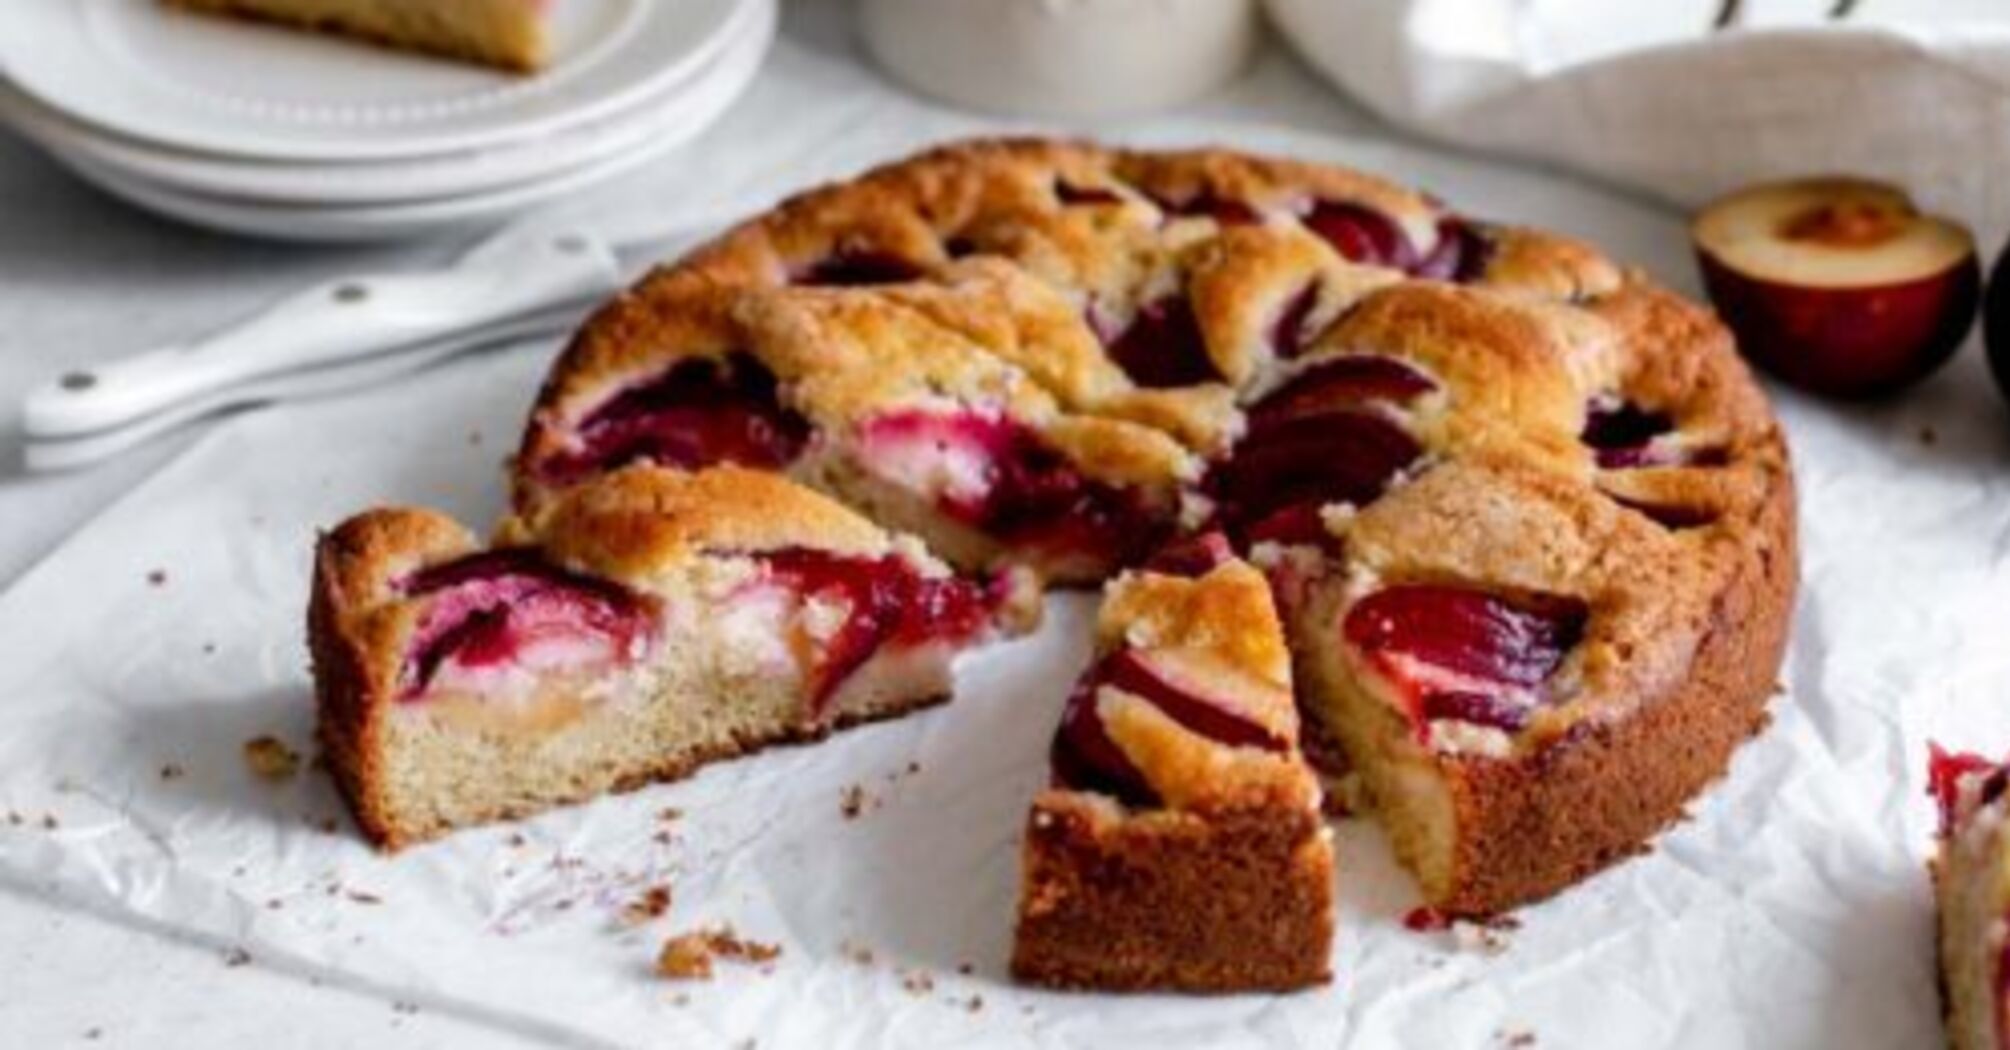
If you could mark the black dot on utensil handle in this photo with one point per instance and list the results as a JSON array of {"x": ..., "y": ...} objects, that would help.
[
  {"x": 78, "y": 381},
  {"x": 351, "y": 293}
]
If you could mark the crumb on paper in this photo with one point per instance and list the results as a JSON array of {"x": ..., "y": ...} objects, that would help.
[
  {"x": 1518, "y": 1039},
  {"x": 654, "y": 903},
  {"x": 15, "y": 818},
  {"x": 974, "y": 1003},
  {"x": 173, "y": 771},
  {"x": 669, "y": 813},
  {"x": 274, "y": 904},
  {"x": 49, "y": 822},
  {"x": 474, "y": 439},
  {"x": 689, "y": 956},
  {"x": 852, "y": 802},
  {"x": 361, "y": 897},
  {"x": 236, "y": 957},
  {"x": 405, "y": 1007},
  {"x": 966, "y": 969},
  {"x": 917, "y": 982},
  {"x": 270, "y": 758},
  {"x": 1489, "y": 937},
  {"x": 516, "y": 840},
  {"x": 209, "y": 648},
  {"x": 857, "y": 953},
  {"x": 157, "y": 578}
]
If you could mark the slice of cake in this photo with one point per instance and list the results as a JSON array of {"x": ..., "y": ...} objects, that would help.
[
  {"x": 642, "y": 625},
  {"x": 506, "y": 33},
  {"x": 1971, "y": 881},
  {"x": 1180, "y": 845}
]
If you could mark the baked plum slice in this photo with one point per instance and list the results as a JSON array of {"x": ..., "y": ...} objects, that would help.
[
  {"x": 1369, "y": 236},
  {"x": 1000, "y": 478},
  {"x": 857, "y": 268},
  {"x": 1085, "y": 758},
  {"x": 1161, "y": 346},
  {"x": 885, "y": 600},
  {"x": 700, "y": 412},
  {"x": 1625, "y": 436},
  {"x": 1462, "y": 654},
  {"x": 503, "y": 609},
  {"x": 1326, "y": 436}
]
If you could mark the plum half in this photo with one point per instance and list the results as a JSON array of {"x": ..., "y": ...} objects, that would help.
[{"x": 1840, "y": 286}]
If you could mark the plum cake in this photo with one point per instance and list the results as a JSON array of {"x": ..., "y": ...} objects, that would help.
[
  {"x": 510, "y": 34},
  {"x": 1971, "y": 882},
  {"x": 647, "y": 623},
  {"x": 1180, "y": 844},
  {"x": 1523, "y": 520}
]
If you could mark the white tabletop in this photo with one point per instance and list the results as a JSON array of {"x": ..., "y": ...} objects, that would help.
[{"x": 84, "y": 279}]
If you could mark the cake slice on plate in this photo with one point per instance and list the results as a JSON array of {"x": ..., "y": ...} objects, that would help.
[
  {"x": 510, "y": 34},
  {"x": 1971, "y": 880},
  {"x": 1180, "y": 844},
  {"x": 642, "y": 625}
]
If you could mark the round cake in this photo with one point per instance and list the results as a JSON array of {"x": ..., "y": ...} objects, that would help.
[{"x": 1525, "y": 519}]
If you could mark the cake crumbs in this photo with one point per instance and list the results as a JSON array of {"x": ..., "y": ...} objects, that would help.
[
  {"x": 270, "y": 758},
  {"x": 360, "y": 897},
  {"x": 209, "y": 648},
  {"x": 917, "y": 982},
  {"x": 857, "y": 953},
  {"x": 405, "y": 1007},
  {"x": 49, "y": 822},
  {"x": 515, "y": 840},
  {"x": 157, "y": 578},
  {"x": 966, "y": 969},
  {"x": 974, "y": 1004},
  {"x": 852, "y": 802},
  {"x": 669, "y": 814},
  {"x": 236, "y": 957},
  {"x": 689, "y": 956},
  {"x": 653, "y": 904},
  {"x": 1519, "y": 1039},
  {"x": 1488, "y": 936},
  {"x": 173, "y": 771},
  {"x": 274, "y": 904},
  {"x": 14, "y": 818},
  {"x": 93, "y": 1034}
]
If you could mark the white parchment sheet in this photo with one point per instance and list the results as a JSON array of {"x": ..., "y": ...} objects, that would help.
[{"x": 1791, "y": 911}]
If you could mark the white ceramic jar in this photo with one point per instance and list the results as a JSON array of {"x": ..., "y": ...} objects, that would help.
[{"x": 1061, "y": 58}]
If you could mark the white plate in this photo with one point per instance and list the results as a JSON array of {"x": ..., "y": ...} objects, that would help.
[
  {"x": 690, "y": 114},
  {"x": 202, "y": 83},
  {"x": 386, "y": 181}
]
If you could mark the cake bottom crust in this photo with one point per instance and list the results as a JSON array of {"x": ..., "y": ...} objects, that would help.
[{"x": 1172, "y": 900}]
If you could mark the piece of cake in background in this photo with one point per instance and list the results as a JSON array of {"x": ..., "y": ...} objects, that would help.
[
  {"x": 643, "y": 625},
  {"x": 509, "y": 34},
  {"x": 1180, "y": 845},
  {"x": 1971, "y": 883}
]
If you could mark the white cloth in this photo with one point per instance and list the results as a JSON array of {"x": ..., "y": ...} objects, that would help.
[{"x": 1648, "y": 94}]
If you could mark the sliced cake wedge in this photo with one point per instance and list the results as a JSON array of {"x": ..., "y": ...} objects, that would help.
[
  {"x": 1971, "y": 882},
  {"x": 644, "y": 624},
  {"x": 1180, "y": 845}
]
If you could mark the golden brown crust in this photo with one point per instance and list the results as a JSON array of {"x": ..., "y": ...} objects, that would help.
[{"x": 1225, "y": 902}]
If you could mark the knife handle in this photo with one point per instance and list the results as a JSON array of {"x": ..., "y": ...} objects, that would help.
[{"x": 339, "y": 321}]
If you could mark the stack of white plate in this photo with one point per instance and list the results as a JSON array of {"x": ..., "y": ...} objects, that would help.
[{"x": 278, "y": 133}]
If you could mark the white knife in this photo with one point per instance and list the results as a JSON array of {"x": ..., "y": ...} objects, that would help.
[{"x": 527, "y": 280}]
